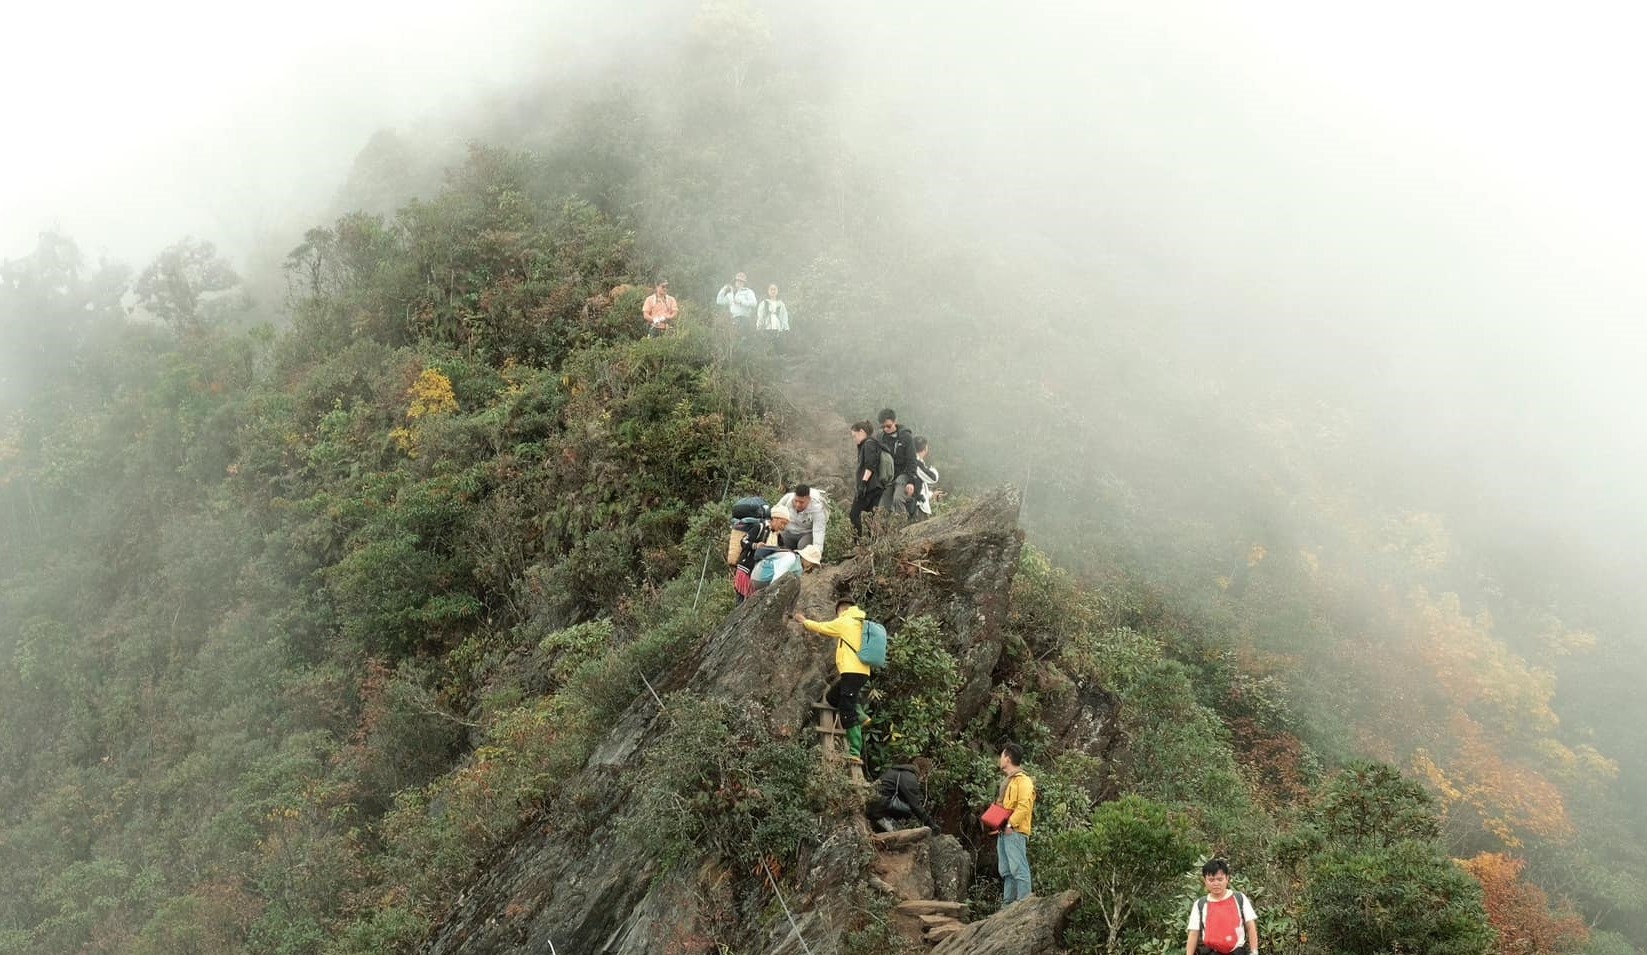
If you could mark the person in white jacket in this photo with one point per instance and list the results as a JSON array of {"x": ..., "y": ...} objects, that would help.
[
  {"x": 809, "y": 517},
  {"x": 773, "y": 314},
  {"x": 739, "y": 300},
  {"x": 927, "y": 476}
]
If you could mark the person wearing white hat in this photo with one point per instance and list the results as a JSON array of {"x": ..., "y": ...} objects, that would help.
[
  {"x": 751, "y": 540},
  {"x": 774, "y": 568},
  {"x": 740, "y": 302}
]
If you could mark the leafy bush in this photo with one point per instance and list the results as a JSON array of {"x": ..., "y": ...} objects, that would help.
[
  {"x": 912, "y": 701},
  {"x": 1125, "y": 865},
  {"x": 718, "y": 778},
  {"x": 1402, "y": 897}
]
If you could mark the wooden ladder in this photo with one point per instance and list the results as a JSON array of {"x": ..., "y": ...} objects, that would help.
[{"x": 832, "y": 740}]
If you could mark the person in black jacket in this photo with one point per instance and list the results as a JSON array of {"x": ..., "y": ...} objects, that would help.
[
  {"x": 867, "y": 478},
  {"x": 897, "y": 441},
  {"x": 898, "y": 796}
]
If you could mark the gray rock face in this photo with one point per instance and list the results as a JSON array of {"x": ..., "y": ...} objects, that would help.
[
  {"x": 1030, "y": 927},
  {"x": 584, "y": 890},
  {"x": 951, "y": 869}
]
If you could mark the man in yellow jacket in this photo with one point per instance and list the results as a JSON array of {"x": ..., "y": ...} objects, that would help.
[
  {"x": 1012, "y": 843},
  {"x": 847, "y": 630}
]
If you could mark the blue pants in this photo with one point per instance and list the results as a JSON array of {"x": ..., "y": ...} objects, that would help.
[{"x": 1012, "y": 859}]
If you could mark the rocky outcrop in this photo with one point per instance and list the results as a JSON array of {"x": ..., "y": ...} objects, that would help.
[
  {"x": 580, "y": 887},
  {"x": 951, "y": 869},
  {"x": 1030, "y": 927}
]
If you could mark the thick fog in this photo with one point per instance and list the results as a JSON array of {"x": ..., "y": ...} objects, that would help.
[
  {"x": 1426, "y": 213},
  {"x": 128, "y": 126},
  {"x": 1431, "y": 214}
]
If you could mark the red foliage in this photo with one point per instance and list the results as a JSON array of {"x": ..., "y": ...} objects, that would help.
[{"x": 1521, "y": 912}]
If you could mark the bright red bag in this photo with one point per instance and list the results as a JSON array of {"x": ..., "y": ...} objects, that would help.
[{"x": 995, "y": 817}]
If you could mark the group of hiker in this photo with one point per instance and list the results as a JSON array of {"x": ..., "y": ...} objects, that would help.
[
  {"x": 768, "y": 543},
  {"x": 1221, "y": 922},
  {"x": 892, "y": 475},
  {"x": 892, "y": 472},
  {"x": 746, "y": 311},
  {"x": 860, "y": 647}
]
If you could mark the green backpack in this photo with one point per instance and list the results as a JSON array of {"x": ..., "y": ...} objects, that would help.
[{"x": 872, "y": 648}]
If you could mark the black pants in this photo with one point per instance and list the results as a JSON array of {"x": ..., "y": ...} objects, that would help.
[
  {"x": 865, "y": 502},
  {"x": 843, "y": 696}
]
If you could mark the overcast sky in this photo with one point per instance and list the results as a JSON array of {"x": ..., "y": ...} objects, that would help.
[
  {"x": 130, "y": 125},
  {"x": 1445, "y": 199}
]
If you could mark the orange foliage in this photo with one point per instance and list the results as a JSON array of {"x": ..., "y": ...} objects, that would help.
[
  {"x": 1520, "y": 911},
  {"x": 1275, "y": 761},
  {"x": 1511, "y": 799},
  {"x": 1477, "y": 671}
]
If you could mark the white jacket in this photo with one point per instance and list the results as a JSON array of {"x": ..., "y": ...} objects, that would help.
[
  {"x": 740, "y": 301},
  {"x": 772, "y": 316},
  {"x": 813, "y": 520}
]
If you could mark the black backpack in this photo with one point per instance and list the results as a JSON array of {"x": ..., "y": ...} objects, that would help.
[
  {"x": 747, "y": 507},
  {"x": 755, "y": 532}
]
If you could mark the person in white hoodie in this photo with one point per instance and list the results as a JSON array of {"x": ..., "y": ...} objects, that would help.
[
  {"x": 772, "y": 315},
  {"x": 739, "y": 300},
  {"x": 927, "y": 476},
  {"x": 808, "y": 520}
]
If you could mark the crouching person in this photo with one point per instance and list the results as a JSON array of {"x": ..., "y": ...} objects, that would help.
[
  {"x": 771, "y": 569},
  {"x": 751, "y": 541},
  {"x": 1222, "y": 921},
  {"x": 899, "y": 796}
]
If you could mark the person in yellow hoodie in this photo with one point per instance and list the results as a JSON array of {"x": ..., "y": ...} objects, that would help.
[
  {"x": 847, "y": 630},
  {"x": 1012, "y": 842}
]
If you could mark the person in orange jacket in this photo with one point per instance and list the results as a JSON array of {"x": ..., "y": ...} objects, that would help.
[{"x": 659, "y": 309}]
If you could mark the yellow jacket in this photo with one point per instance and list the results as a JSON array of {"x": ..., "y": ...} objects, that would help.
[
  {"x": 848, "y": 631},
  {"x": 1018, "y": 795}
]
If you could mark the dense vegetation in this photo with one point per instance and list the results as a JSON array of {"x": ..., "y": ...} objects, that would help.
[{"x": 298, "y": 622}]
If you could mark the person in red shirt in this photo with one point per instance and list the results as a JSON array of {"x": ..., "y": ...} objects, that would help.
[{"x": 1222, "y": 921}]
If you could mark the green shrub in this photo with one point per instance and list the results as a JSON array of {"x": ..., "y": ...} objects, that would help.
[
  {"x": 717, "y": 778},
  {"x": 1125, "y": 865},
  {"x": 912, "y": 701},
  {"x": 1402, "y": 897}
]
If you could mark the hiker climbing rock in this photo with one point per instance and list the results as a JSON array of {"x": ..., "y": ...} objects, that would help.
[
  {"x": 739, "y": 300},
  {"x": 927, "y": 477},
  {"x": 867, "y": 476},
  {"x": 899, "y": 796},
  {"x": 1222, "y": 921},
  {"x": 847, "y": 630},
  {"x": 809, "y": 517},
  {"x": 660, "y": 309},
  {"x": 896, "y": 441},
  {"x": 1017, "y": 803},
  {"x": 751, "y": 533},
  {"x": 774, "y": 567},
  {"x": 772, "y": 315},
  {"x": 751, "y": 540}
]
